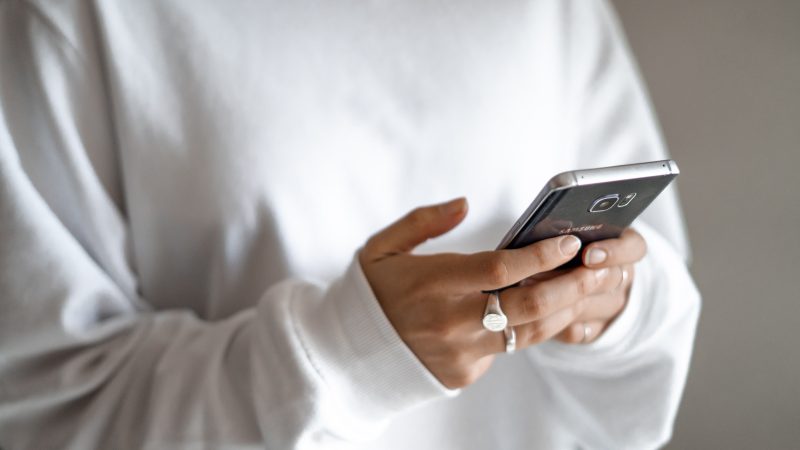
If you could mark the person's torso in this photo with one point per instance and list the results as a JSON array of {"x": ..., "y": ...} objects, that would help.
[{"x": 261, "y": 140}]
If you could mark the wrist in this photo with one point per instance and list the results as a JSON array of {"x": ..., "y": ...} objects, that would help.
[{"x": 358, "y": 353}]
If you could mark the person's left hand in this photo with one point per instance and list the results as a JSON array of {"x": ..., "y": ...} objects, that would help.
[{"x": 603, "y": 307}]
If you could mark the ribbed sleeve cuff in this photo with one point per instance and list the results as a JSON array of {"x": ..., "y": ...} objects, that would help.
[{"x": 358, "y": 353}]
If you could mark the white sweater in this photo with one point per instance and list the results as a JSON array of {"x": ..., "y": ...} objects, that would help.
[{"x": 183, "y": 185}]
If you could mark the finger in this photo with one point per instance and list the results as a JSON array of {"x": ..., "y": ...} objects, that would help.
[
  {"x": 544, "y": 298},
  {"x": 615, "y": 280},
  {"x": 533, "y": 333},
  {"x": 487, "y": 271},
  {"x": 629, "y": 248},
  {"x": 607, "y": 305},
  {"x": 543, "y": 276},
  {"x": 582, "y": 332},
  {"x": 604, "y": 306},
  {"x": 415, "y": 228},
  {"x": 619, "y": 280}
]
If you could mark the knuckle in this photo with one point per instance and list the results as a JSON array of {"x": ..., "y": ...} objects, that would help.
[
  {"x": 539, "y": 256},
  {"x": 528, "y": 306},
  {"x": 441, "y": 327},
  {"x": 497, "y": 272},
  {"x": 534, "y": 332},
  {"x": 586, "y": 283},
  {"x": 417, "y": 217},
  {"x": 535, "y": 301}
]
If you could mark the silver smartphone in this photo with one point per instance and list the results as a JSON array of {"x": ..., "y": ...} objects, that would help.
[{"x": 592, "y": 204}]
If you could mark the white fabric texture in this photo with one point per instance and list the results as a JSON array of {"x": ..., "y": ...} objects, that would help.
[{"x": 183, "y": 186}]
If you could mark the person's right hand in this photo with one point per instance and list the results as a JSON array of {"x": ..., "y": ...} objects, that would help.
[{"x": 435, "y": 302}]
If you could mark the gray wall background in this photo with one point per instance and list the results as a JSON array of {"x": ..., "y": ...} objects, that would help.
[{"x": 724, "y": 76}]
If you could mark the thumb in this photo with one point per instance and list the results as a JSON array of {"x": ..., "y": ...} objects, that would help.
[{"x": 415, "y": 228}]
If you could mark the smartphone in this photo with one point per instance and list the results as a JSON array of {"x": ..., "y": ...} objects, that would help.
[{"x": 592, "y": 204}]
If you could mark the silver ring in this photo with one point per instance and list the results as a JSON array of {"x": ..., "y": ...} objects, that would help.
[
  {"x": 511, "y": 339},
  {"x": 587, "y": 331},
  {"x": 624, "y": 279},
  {"x": 493, "y": 317}
]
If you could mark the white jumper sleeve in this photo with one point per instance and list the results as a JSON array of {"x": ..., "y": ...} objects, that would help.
[
  {"x": 86, "y": 363},
  {"x": 623, "y": 390}
]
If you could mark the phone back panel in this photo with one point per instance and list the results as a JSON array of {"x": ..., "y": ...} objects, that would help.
[{"x": 566, "y": 211}]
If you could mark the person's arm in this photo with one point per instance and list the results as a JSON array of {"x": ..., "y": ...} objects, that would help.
[
  {"x": 86, "y": 363},
  {"x": 623, "y": 389}
]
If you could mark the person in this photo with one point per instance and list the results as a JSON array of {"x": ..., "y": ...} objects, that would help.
[{"x": 196, "y": 251}]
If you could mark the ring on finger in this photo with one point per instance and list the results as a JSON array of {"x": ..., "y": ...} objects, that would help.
[
  {"x": 511, "y": 339},
  {"x": 626, "y": 273},
  {"x": 587, "y": 332},
  {"x": 494, "y": 319}
]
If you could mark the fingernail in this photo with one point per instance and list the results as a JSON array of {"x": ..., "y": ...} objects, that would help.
[
  {"x": 596, "y": 256},
  {"x": 569, "y": 245},
  {"x": 602, "y": 273},
  {"x": 454, "y": 206}
]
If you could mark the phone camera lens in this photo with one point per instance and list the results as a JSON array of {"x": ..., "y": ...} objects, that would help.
[
  {"x": 604, "y": 203},
  {"x": 626, "y": 200}
]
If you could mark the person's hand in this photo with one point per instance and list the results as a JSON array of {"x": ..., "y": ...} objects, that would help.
[
  {"x": 603, "y": 306},
  {"x": 435, "y": 302}
]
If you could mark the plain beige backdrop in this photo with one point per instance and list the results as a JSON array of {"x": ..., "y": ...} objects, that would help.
[{"x": 724, "y": 76}]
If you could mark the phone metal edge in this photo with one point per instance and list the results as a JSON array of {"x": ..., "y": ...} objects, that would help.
[
  {"x": 626, "y": 172},
  {"x": 585, "y": 177},
  {"x": 559, "y": 182}
]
